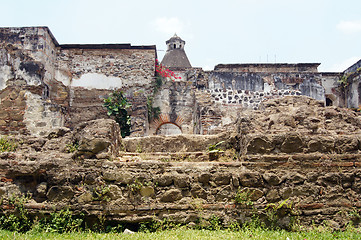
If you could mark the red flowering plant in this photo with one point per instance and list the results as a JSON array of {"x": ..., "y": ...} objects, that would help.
[{"x": 165, "y": 72}]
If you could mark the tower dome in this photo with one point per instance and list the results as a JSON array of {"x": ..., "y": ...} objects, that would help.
[{"x": 175, "y": 57}]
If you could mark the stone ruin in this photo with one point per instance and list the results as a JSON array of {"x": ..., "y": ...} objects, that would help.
[
  {"x": 274, "y": 140},
  {"x": 295, "y": 150},
  {"x": 46, "y": 85}
]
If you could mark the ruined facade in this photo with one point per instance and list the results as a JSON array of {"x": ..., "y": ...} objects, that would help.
[{"x": 44, "y": 85}]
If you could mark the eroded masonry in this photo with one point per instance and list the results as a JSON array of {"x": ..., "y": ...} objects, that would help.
[
  {"x": 277, "y": 141},
  {"x": 44, "y": 84}
]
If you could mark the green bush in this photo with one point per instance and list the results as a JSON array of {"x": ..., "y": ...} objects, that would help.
[
  {"x": 244, "y": 197},
  {"x": 18, "y": 220},
  {"x": 117, "y": 105},
  {"x": 60, "y": 222}
]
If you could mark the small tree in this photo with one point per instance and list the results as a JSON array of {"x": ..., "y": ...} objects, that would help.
[{"x": 117, "y": 106}]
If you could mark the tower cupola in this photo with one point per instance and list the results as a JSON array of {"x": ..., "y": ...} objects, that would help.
[{"x": 175, "y": 57}]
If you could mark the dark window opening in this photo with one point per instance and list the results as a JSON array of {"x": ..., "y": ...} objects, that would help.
[
  {"x": 46, "y": 92},
  {"x": 329, "y": 102}
]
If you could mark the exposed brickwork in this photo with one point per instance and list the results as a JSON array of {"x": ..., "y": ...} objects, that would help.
[{"x": 12, "y": 109}]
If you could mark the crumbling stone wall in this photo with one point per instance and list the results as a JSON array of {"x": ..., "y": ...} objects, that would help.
[
  {"x": 26, "y": 70},
  {"x": 92, "y": 71},
  {"x": 268, "y": 68},
  {"x": 66, "y": 84},
  {"x": 176, "y": 102},
  {"x": 158, "y": 177}
]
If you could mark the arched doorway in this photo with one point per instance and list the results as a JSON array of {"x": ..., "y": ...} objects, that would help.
[{"x": 168, "y": 129}]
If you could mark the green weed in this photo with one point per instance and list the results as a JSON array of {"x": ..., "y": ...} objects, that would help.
[
  {"x": 100, "y": 193},
  {"x": 7, "y": 145},
  {"x": 60, "y": 222},
  {"x": 243, "y": 197},
  {"x": 72, "y": 147}
]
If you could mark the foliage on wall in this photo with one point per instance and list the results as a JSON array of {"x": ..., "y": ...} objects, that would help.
[
  {"x": 117, "y": 105},
  {"x": 162, "y": 74}
]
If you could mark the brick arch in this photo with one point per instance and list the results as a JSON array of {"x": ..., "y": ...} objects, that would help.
[{"x": 165, "y": 118}]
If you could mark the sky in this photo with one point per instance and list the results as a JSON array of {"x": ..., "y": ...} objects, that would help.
[{"x": 215, "y": 31}]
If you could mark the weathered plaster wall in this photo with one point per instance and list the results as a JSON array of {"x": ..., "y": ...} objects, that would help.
[
  {"x": 71, "y": 81},
  {"x": 221, "y": 94},
  {"x": 353, "y": 91},
  {"x": 91, "y": 72},
  {"x": 264, "y": 84},
  {"x": 27, "y": 58},
  {"x": 268, "y": 68},
  {"x": 330, "y": 81},
  {"x": 117, "y": 67},
  {"x": 352, "y": 75},
  {"x": 176, "y": 102}
]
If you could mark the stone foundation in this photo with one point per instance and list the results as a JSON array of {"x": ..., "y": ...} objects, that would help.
[{"x": 296, "y": 179}]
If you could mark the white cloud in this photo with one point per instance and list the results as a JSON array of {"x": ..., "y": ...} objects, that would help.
[
  {"x": 169, "y": 26},
  {"x": 342, "y": 66},
  {"x": 349, "y": 26}
]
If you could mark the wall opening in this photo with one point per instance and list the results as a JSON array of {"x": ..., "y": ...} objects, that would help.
[
  {"x": 168, "y": 129},
  {"x": 329, "y": 102}
]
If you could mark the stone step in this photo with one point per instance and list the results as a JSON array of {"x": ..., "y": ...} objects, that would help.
[
  {"x": 164, "y": 156},
  {"x": 309, "y": 161}
]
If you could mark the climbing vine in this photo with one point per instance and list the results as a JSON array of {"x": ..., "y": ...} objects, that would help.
[
  {"x": 117, "y": 105},
  {"x": 153, "y": 112},
  {"x": 344, "y": 79},
  {"x": 162, "y": 74}
]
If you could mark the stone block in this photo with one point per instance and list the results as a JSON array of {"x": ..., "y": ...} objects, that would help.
[
  {"x": 198, "y": 192},
  {"x": 225, "y": 194},
  {"x": 7, "y": 104},
  {"x": 273, "y": 195},
  {"x": 84, "y": 198},
  {"x": 222, "y": 178},
  {"x": 164, "y": 180},
  {"x": 250, "y": 179},
  {"x": 171, "y": 195},
  {"x": 182, "y": 181},
  {"x": 60, "y": 193},
  {"x": 296, "y": 178},
  {"x": 259, "y": 145},
  {"x": 286, "y": 192},
  {"x": 114, "y": 192},
  {"x": 204, "y": 178},
  {"x": 41, "y": 190},
  {"x": 98, "y": 136},
  {"x": 292, "y": 144},
  {"x": 147, "y": 191},
  {"x": 271, "y": 178}
]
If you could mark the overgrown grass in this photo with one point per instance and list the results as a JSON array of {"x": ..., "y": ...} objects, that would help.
[{"x": 183, "y": 233}]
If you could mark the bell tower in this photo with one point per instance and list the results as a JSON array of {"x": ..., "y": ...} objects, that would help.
[{"x": 175, "y": 57}]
